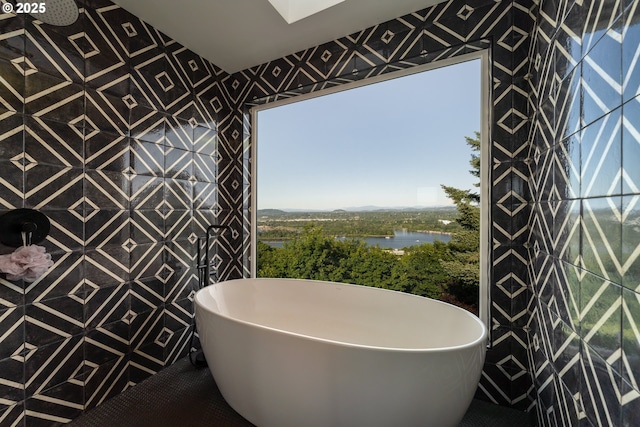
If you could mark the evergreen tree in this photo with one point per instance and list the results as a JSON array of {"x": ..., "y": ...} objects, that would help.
[{"x": 464, "y": 268}]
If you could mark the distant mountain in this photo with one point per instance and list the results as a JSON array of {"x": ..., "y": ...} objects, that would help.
[
  {"x": 370, "y": 208},
  {"x": 270, "y": 212},
  {"x": 397, "y": 208}
]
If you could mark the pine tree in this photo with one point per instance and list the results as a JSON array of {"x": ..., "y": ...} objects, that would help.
[{"x": 465, "y": 244}]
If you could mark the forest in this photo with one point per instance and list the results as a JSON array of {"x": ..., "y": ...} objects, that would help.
[{"x": 445, "y": 271}]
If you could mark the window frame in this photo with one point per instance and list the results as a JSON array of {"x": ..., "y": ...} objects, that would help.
[{"x": 484, "y": 303}]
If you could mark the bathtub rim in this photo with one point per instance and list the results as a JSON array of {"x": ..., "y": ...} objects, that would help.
[{"x": 478, "y": 341}]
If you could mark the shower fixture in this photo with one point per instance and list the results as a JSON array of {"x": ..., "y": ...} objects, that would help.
[
  {"x": 22, "y": 227},
  {"x": 53, "y": 12}
]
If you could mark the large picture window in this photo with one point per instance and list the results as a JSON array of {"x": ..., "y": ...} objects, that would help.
[{"x": 379, "y": 184}]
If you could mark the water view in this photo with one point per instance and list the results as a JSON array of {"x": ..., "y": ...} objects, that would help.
[{"x": 400, "y": 239}]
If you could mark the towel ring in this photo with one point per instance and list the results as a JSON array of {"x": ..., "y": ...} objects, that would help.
[{"x": 13, "y": 223}]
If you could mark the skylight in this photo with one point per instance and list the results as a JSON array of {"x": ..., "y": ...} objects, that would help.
[{"x": 295, "y": 10}]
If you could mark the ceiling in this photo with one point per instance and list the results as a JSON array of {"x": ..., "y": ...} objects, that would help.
[{"x": 239, "y": 34}]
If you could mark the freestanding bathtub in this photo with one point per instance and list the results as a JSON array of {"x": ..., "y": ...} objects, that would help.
[{"x": 302, "y": 353}]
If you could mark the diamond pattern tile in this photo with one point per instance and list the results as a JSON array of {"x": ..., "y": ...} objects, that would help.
[
  {"x": 583, "y": 312},
  {"x": 133, "y": 144}
]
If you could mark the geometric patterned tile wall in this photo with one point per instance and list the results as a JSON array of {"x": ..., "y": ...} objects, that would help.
[
  {"x": 111, "y": 129},
  {"x": 585, "y": 240},
  {"x": 131, "y": 144},
  {"x": 443, "y": 31}
]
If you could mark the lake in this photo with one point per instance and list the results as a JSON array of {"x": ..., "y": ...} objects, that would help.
[{"x": 400, "y": 239}]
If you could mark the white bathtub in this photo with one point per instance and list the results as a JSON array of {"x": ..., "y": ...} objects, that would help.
[{"x": 301, "y": 353}]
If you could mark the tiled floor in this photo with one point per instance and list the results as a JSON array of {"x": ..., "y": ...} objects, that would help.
[{"x": 182, "y": 396}]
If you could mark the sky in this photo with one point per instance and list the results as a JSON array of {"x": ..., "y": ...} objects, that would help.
[{"x": 388, "y": 144}]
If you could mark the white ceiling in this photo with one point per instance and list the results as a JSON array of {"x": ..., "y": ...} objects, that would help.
[{"x": 239, "y": 34}]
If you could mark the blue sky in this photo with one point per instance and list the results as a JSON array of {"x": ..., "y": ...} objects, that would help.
[{"x": 388, "y": 144}]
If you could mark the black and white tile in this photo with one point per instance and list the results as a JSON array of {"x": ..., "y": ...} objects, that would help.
[
  {"x": 109, "y": 128},
  {"x": 132, "y": 144},
  {"x": 586, "y": 326}
]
